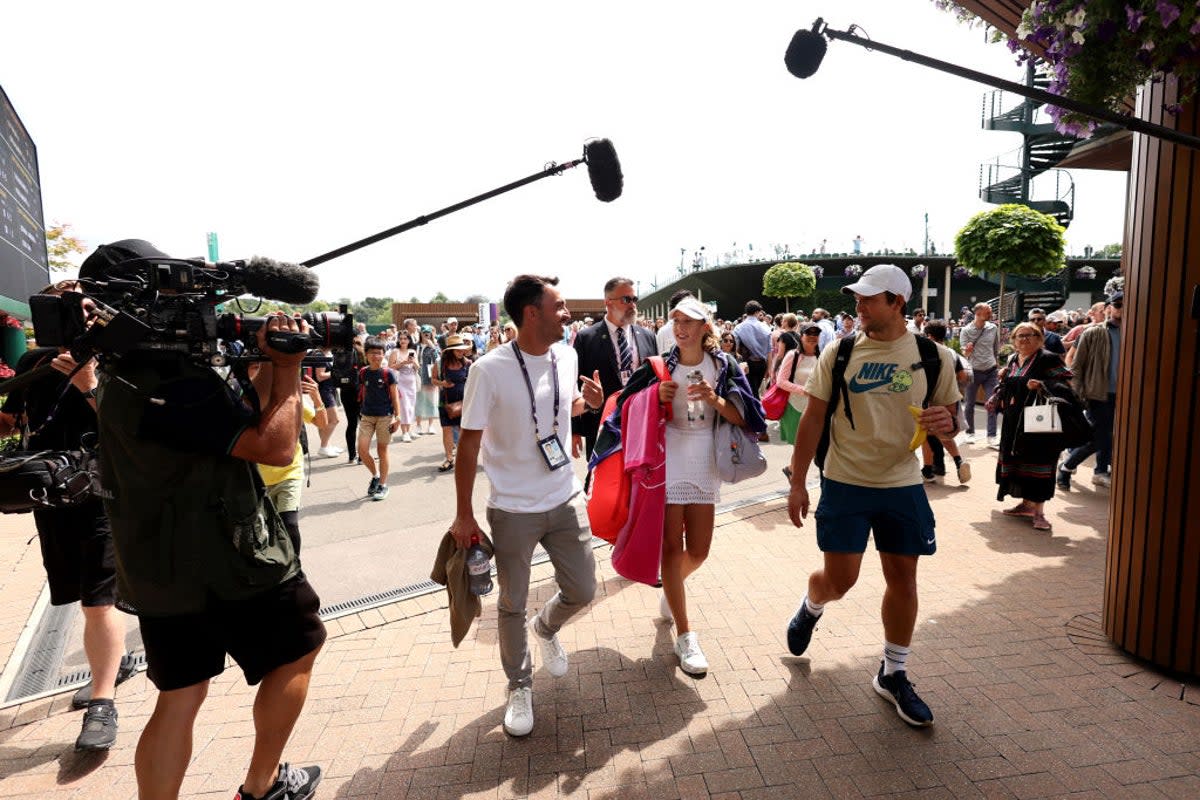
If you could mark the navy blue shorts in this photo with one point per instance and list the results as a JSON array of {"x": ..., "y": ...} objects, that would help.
[{"x": 900, "y": 518}]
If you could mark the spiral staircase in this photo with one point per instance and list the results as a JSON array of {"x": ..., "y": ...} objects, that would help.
[{"x": 1026, "y": 175}]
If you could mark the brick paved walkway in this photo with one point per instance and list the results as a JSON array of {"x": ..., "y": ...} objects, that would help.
[{"x": 1030, "y": 700}]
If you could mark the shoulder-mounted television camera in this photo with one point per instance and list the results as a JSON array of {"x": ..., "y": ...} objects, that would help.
[{"x": 133, "y": 298}]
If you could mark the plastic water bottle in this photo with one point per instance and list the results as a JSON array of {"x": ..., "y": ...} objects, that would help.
[
  {"x": 695, "y": 407},
  {"x": 479, "y": 568}
]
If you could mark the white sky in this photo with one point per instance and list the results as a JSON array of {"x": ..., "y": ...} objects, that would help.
[{"x": 293, "y": 128}]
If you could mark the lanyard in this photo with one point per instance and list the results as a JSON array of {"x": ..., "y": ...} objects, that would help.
[{"x": 529, "y": 386}]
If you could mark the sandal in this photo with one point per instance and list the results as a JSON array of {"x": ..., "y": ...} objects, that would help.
[
  {"x": 1040, "y": 523},
  {"x": 446, "y": 466},
  {"x": 1019, "y": 510}
]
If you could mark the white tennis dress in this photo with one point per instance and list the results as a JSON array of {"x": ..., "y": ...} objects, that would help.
[{"x": 691, "y": 466}]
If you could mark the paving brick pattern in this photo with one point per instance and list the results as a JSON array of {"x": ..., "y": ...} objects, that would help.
[{"x": 1030, "y": 700}]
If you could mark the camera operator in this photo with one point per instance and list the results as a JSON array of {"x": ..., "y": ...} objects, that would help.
[
  {"x": 203, "y": 558},
  {"x": 76, "y": 542}
]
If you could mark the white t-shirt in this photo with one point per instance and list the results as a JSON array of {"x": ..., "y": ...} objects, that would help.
[
  {"x": 665, "y": 338},
  {"x": 882, "y": 385},
  {"x": 496, "y": 401}
]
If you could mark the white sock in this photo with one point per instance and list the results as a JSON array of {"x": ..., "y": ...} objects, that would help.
[
  {"x": 816, "y": 609},
  {"x": 894, "y": 657}
]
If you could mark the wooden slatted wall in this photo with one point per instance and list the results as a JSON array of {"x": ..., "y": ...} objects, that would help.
[{"x": 1152, "y": 576}]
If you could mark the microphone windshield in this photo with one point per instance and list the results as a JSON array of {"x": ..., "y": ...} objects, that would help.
[
  {"x": 276, "y": 280},
  {"x": 804, "y": 54},
  {"x": 604, "y": 170}
]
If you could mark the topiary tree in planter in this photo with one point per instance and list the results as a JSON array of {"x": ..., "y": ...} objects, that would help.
[
  {"x": 789, "y": 279},
  {"x": 1011, "y": 238}
]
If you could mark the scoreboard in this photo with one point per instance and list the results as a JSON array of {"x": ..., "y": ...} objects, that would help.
[{"x": 24, "y": 268}]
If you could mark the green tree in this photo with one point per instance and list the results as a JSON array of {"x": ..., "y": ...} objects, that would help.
[
  {"x": 789, "y": 279},
  {"x": 60, "y": 244},
  {"x": 476, "y": 298},
  {"x": 1110, "y": 251},
  {"x": 373, "y": 310},
  {"x": 440, "y": 297},
  {"x": 1011, "y": 238}
]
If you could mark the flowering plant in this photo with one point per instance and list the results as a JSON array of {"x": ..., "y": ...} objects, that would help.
[
  {"x": 961, "y": 272},
  {"x": 918, "y": 271},
  {"x": 1114, "y": 284},
  {"x": 852, "y": 271},
  {"x": 818, "y": 272},
  {"x": 13, "y": 322},
  {"x": 1101, "y": 51},
  {"x": 1085, "y": 272}
]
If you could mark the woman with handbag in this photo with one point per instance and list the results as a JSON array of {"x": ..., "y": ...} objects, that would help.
[
  {"x": 451, "y": 377},
  {"x": 794, "y": 369},
  {"x": 1028, "y": 458}
]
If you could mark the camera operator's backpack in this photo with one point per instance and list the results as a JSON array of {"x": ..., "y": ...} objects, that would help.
[{"x": 930, "y": 361}]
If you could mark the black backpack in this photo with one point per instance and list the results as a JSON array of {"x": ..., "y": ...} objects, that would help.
[{"x": 930, "y": 361}]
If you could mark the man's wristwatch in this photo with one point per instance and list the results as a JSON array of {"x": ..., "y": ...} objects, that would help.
[{"x": 90, "y": 394}]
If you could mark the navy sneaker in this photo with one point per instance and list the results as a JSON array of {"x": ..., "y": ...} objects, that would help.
[
  {"x": 800, "y": 630},
  {"x": 1064, "y": 480},
  {"x": 927, "y": 473},
  {"x": 909, "y": 706},
  {"x": 373, "y": 486}
]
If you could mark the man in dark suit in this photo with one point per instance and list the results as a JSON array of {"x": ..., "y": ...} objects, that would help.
[{"x": 611, "y": 348}]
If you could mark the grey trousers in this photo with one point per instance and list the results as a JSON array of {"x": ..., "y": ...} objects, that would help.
[{"x": 564, "y": 533}]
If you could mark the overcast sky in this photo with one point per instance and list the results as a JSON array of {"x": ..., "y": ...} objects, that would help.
[{"x": 293, "y": 128}]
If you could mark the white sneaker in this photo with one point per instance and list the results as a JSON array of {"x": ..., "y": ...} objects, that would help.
[
  {"x": 664, "y": 608},
  {"x": 969, "y": 438},
  {"x": 518, "y": 716},
  {"x": 406, "y": 437},
  {"x": 330, "y": 451},
  {"x": 691, "y": 657},
  {"x": 964, "y": 472},
  {"x": 554, "y": 658},
  {"x": 993, "y": 442},
  {"x": 1102, "y": 479}
]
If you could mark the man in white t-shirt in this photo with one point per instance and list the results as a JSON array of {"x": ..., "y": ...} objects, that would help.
[
  {"x": 517, "y": 411},
  {"x": 872, "y": 480}
]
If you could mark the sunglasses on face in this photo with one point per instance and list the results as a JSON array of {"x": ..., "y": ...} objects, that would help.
[
  {"x": 1037, "y": 319},
  {"x": 1027, "y": 336},
  {"x": 627, "y": 299}
]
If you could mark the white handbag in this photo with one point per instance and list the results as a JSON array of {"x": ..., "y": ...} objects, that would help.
[{"x": 1042, "y": 417}]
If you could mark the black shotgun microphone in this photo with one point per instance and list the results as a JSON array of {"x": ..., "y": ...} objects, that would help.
[
  {"x": 277, "y": 280},
  {"x": 604, "y": 170},
  {"x": 805, "y": 52}
]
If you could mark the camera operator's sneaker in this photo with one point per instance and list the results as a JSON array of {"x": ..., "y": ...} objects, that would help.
[
  {"x": 373, "y": 486},
  {"x": 381, "y": 492},
  {"x": 292, "y": 783},
  {"x": 1102, "y": 479},
  {"x": 909, "y": 706},
  {"x": 964, "y": 471},
  {"x": 125, "y": 670},
  {"x": 99, "y": 727}
]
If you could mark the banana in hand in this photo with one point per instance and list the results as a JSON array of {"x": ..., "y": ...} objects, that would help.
[{"x": 920, "y": 434}]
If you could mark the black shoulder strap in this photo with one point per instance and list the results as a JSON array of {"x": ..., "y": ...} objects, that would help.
[
  {"x": 839, "y": 394},
  {"x": 931, "y": 362}
]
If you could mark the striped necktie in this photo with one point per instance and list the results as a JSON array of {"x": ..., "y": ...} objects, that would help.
[{"x": 626, "y": 353}]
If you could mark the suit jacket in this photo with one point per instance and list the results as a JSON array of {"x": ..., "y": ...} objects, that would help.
[{"x": 597, "y": 352}]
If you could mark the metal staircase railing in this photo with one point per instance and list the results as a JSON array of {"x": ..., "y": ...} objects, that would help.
[{"x": 1027, "y": 175}]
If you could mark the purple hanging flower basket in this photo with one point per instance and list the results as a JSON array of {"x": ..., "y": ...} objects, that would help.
[
  {"x": 1086, "y": 273},
  {"x": 852, "y": 271},
  {"x": 961, "y": 272},
  {"x": 818, "y": 272},
  {"x": 918, "y": 271}
]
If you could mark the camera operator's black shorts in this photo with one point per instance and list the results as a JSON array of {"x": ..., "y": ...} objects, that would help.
[
  {"x": 77, "y": 552},
  {"x": 261, "y": 634}
]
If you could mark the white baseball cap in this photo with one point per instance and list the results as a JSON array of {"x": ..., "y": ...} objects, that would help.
[
  {"x": 881, "y": 278},
  {"x": 691, "y": 307}
]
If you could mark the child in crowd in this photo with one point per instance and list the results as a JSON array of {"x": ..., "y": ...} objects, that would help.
[{"x": 380, "y": 416}]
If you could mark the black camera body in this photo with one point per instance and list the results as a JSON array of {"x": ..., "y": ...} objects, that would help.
[{"x": 170, "y": 305}]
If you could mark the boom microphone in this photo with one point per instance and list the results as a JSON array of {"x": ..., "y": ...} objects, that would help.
[
  {"x": 805, "y": 52},
  {"x": 604, "y": 170},
  {"x": 277, "y": 280}
]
